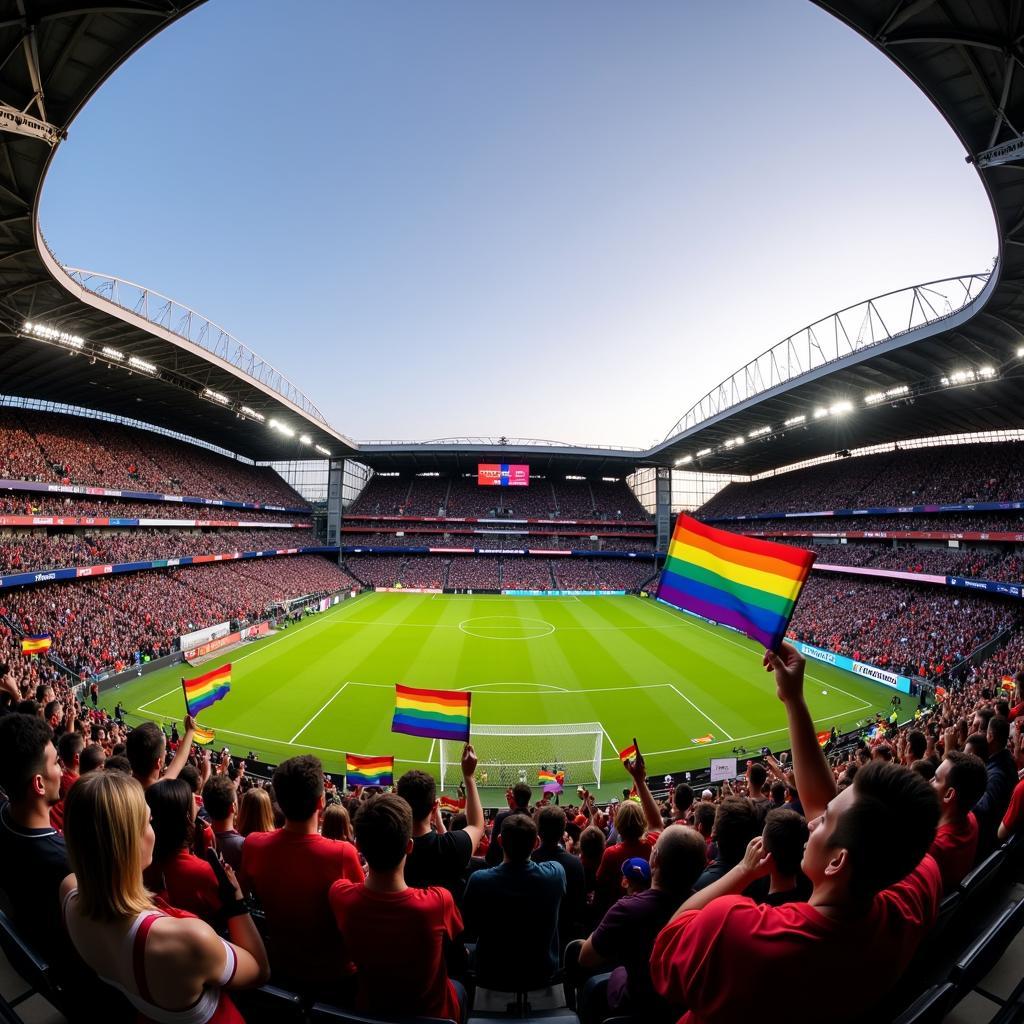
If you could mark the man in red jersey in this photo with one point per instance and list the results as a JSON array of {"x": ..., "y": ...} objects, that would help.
[
  {"x": 395, "y": 933},
  {"x": 291, "y": 871},
  {"x": 875, "y": 895},
  {"x": 959, "y": 782}
]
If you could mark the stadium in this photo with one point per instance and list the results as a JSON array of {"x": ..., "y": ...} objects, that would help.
[{"x": 173, "y": 507}]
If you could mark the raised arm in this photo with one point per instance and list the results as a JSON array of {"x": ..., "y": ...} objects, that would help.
[
  {"x": 474, "y": 809},
  {"x": 638, "y": 772},
  {"x": 815, "y": 782},
  {"x": 184, "y": 748}
]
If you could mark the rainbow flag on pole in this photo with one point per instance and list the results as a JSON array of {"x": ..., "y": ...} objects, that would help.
[
  {"x": 202, "y": 736},
  {"x": 36, "y": 644},
  {"x": 435, "y": 714},
  {"x": 547, "y": 775},
  {"x": 369, "y": 771},
  {"x": 628, "y": 753},
  {"x": 751, "y": 585},
  {"x": 207, "y": 689}
]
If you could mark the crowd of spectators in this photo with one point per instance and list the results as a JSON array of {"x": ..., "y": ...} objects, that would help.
[
  {"x": 526, "y": 574},
  {"x": 909, "y": 629},
  {"x": 475, "y": 573},
  {"x": 918, "y": 476},
  {"x": 473, "y": 539},
  {"x": 947, "y": 522},
  {"x": 112, "y": 622},
  {"x": 379, "y": 901},
  {"x": 82, "y": 506},
  {"x": 980, "y": 563},
  {"x": 24, "y": 551},
  {"x": 55, "y": 448},
  {"x": 459, "y": 496}
]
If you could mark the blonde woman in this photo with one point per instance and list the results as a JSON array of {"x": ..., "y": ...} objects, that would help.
[
  {"x": 170, "y": 965},
  {"x": 255, "y": 812}
]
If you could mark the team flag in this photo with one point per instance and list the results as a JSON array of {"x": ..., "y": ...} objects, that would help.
[
  {"x": 207, "y": 689},
  {"x": 704, "y": 739},
  {"x": 449, "y": 803},
  {"x": 628, "y": 753},
  {"x": 369, "y": 771},
  {"x": 203, "y": 736},
  {"x": 36, "y": 644},
  {"x": 435, "y": 714},
  {"x": 751, "y": 585}
]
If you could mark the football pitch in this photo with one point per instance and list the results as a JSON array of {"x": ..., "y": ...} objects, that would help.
[{"x": 637, "y": 667}]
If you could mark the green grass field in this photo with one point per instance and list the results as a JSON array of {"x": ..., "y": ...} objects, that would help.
[{"x": 637, "y": 667}]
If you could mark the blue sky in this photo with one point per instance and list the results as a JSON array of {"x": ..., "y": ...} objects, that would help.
[{"x": 563, "y": 221}]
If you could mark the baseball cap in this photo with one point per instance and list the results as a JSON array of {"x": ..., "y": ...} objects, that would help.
[{"x": 636, "y": 869}]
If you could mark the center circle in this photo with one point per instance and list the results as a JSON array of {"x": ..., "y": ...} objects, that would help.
[{"x": 506, "y": 627}]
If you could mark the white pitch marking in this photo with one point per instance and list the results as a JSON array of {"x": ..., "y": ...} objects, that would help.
[
  {"x": 317, "y": 715},
  {"x": 699, "y": 711}
]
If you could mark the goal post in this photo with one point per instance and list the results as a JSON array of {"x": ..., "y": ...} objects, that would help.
[{"x": 507, "y": 754}]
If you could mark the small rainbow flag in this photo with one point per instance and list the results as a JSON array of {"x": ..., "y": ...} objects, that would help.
[
  {"x": 824, "y": 737},
  {"x": 207, "y": 689},
  {"x": 553, "y": 788},
  {"x": 628, "y": 753},
  {"x": 435, "y": 714},
  {"x": 203, "y": 736},
  {"x": 449, "y": 803},
  {"x": 546, "y": 775},
  {"x": 369, "y": 771},
  {"x": 1008, "y": 683},
  {"x": 751, "y": 585},
  {"x": 36, "y": 644},
  {"x": 704, "y": 739}
]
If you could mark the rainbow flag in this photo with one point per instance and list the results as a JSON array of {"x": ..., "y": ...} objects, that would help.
[
  {"x": 824, "y": 737},
  {"x": 628, "y": 753},
  {"x": 435, "y": 714},
  {"x": 546, "y": 775},
  {"x": 449, "y": 803},
  {"x": 553, "y": 788},
  {"x": 203, "y": 736},
  {"x": 748, "y": 584},
  {"x": 36, "y": 644},
  {"x": 369, "y": 771},
  {"x": 207, "y": 689}
]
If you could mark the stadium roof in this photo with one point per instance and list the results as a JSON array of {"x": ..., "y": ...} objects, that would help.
[
  {"x": 963, "y": 371},
  {"x": 935, "y": 359}
]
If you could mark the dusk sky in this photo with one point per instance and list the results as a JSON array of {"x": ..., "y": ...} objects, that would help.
[{"x": 561, "y": 221}]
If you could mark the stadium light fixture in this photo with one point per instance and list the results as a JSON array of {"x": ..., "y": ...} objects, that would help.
[
  {"x": 252, "y": 413},
  {"x": 142, "y": 366},
  {"x": 874, "y": 398},
  {"x": 45, "y": 333},
  {"x": 305, "y": 439},
  {"x": 322, "y": 450},
  {"x": 760, "y": 432},
  {"x": 1020, "y": 352},
  {"x": 703, "y": 452},
  {"x": 113, "y": 353},
  {"x": 819, "y": 413},
  {"x": 987, "y": 372},
  {"x": 216, "y": 396},
  {"x": 286, "y": 430},
  {"x": 840, "y": 408},
  {"x": 684, "y": 461},
  {"x": 794, "y": 420}
]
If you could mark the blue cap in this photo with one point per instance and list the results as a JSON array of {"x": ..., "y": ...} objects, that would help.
[{"x": 636, "y": 869}]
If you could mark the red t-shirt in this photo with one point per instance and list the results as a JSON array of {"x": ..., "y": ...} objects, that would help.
[
  {"x": 396, "y": 940},
  {"x": 67, "y": 780},
  {"x": 609, "y": 874},
  {"x": 1017, "y": 711},
  {"x": 1013, "y": 819},
  {"x": 190, "y": 884},
  {"x": 954, "y": 849},
  {"x": 794, "y": 959},
  {"x": 291, "y": 874}
]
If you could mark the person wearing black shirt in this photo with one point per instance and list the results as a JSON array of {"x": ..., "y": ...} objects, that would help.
[
  {"x": 518, "y": 804},
  {"x": 440, "y": 857},
  {"x": 551, "y": 827}
]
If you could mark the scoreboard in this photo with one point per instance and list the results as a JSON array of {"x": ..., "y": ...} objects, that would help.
[{"x": 494, "y": 474}]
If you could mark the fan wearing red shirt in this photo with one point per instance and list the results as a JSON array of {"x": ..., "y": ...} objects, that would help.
[
  {"x": 291, "y": 871},
  {"x": 69, "y": 749},
  {"x": 395, "y": 934},
  {"x": 959, "y": 782},
  {"x": 876, "y": 893}
]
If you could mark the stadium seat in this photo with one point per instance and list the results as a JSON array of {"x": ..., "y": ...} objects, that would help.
[
  {"x": 7, "y": 1014},
  {"x": 979, "y": 882},
  {"x": 32, "y": 969},
  {"x": 324, "y": 1014},
  {"x": 984, "y": 953},
  {"x": 269, "y": 1005},
  {"x": 931, "y": 1007}
]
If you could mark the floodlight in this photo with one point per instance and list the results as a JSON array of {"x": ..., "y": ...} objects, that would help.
[
  {"x": 253, "y": 413},
  {"x": 305, "y": 439},
  {"x": 685, "y": 460},
  {"x": 322, "y": 450},
  {"x": 141, "y": 365},
  {"x": 841, "y": 408},
  {"x": 216, "y": 396},
  {"x": 703, "y": 452},
  {"x": 794, "y": 420},
  {"x": 760, "y": 432},
  {"x": 113, "y": 353}
]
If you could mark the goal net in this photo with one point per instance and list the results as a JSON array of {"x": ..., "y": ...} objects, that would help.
[{"x": 508, "y": 754}]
